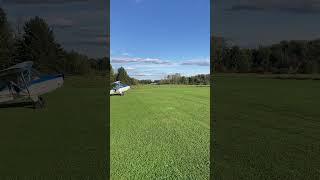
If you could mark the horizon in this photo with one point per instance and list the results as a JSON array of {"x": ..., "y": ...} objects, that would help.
[
  {"x": 231, "y": 43},
  {"x": 151, "y": 40},
  {"x": 115, "y": 70}
]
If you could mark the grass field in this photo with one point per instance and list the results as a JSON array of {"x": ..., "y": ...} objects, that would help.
[
  {"x": 160, "y": 132},
  {"x": 67, "y": 138},
  {"x": 266, "y": 128}
]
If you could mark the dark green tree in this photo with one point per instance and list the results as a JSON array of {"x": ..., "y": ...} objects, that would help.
[
  {"x": 123, "y": 76},
  {"x": 75, "y": 63},
  {"x": 112, "y": 75},
  {"x": 6, "y": 40},
  {"x": 38, "y": 45}
]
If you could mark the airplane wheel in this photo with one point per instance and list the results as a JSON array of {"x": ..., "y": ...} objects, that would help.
[
  {"x": 42, "y": 102},
  {"x": 39, "y": 104}
]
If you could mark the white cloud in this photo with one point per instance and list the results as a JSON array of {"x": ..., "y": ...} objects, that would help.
[
  {"x": 130, "y": 68},
  {"x": 142, "y": 74},
  {"x": 127, "y": 59},
  {"x": 156, "y": 68},
  {"x": 198, "y": 62},
  {"x": 157, "y": 61}
]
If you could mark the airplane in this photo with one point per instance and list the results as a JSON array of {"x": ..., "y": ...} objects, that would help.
[
  {"x": 118, "y": 88},
  {"x": 22, "y": 84}
]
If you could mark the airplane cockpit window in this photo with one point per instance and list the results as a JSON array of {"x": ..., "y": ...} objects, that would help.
[
  {"x": 122, "y": 85},
  {"x": 118, "y": 85},
  {"x": 113, "y": 86}
]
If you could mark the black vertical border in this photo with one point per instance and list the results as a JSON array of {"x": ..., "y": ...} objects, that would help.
[
  {"x": 212, "y": 121},
  {"x": 107, "y": 142}
]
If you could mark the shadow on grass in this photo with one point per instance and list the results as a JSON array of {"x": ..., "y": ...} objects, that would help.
[
  {"x": 107, "y": 93},
  {"x": 115, "y": 95},
  {"x": 27, "y": 105},
  {"x": 296, "y": 78}
]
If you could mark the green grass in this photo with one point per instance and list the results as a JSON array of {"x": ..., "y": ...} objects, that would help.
[
  {"x": 266, "y": 128},
  {"x": 160, "y": 132},
  {"x": 67, "y": 138}
]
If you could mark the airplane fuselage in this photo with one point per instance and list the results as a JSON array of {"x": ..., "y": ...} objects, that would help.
[
  {"x": 119, "y": 91},
  {"x": 31, "y": 93}
]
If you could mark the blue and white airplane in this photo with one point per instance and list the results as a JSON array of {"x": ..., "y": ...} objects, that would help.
[
  {"x": 118, "y": 88},
  {"x": 23, "y": 84}
]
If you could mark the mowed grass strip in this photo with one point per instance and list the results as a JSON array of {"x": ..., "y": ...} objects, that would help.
[
  {"x": 266, "y": 128},
  {"x": 160, "y": 132},
  {"x": 67, "y": 138}
]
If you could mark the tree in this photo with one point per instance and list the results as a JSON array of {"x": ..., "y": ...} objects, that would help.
[
  {"x": 38, "y": 45},
  {"x": 75, "y": 63},
  {"x": 244, "y": 64},
  {"x": 6, "y": 40},
  {"x": 112, "y": 75},
  {"x": 284, "y": 57},
  {"x": 199, "y": 79},
  {"x": 146, "y": 81},
  {"x": 218, "y": 50},
  {"x": 261, "y": 62},
  {"x": 123, "y": 76}
]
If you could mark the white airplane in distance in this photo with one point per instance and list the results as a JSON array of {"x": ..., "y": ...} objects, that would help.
[
  {"x": 22, "y": 84},
  {"x": 118, "y": 88}
]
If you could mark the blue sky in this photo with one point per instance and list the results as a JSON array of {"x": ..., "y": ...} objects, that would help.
[{"x": 154, "y": 38}]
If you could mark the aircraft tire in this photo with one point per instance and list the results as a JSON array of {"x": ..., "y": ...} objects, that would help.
[
  {"x": 42, "y": 102},
  {"x": 39, "y": 104}
]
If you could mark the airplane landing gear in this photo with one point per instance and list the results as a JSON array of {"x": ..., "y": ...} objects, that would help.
[{"x": 39, "y": 104}]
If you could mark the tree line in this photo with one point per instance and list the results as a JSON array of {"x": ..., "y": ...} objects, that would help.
[
  {"x": 37, "y": 43},
  {"x": 177, "y": 78},
  {"x": 286, "y": 57},
  {"x": 122, "y": 75}
]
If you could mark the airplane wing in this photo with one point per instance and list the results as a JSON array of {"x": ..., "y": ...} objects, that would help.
[{"x": 18, "y": 68}]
